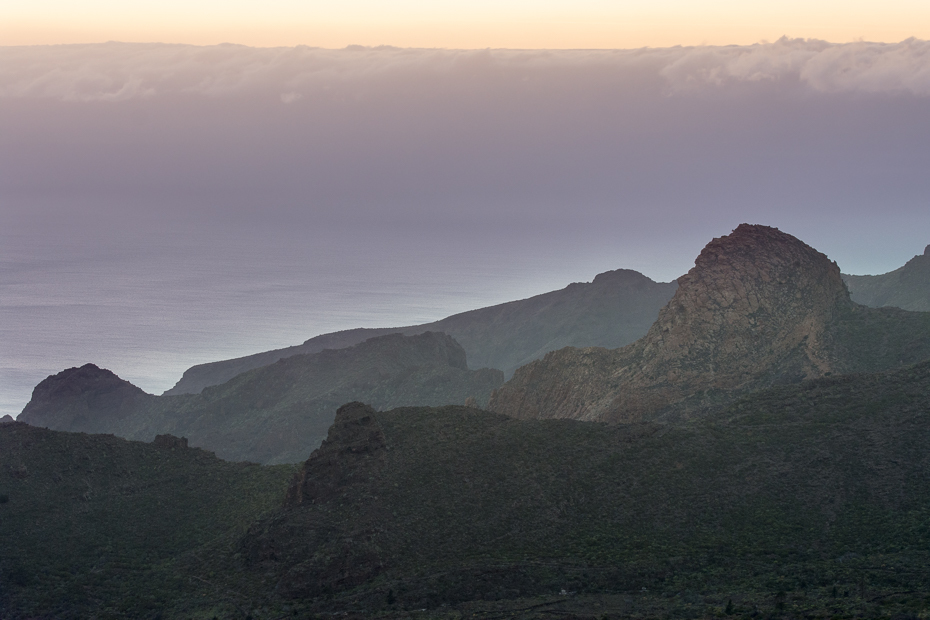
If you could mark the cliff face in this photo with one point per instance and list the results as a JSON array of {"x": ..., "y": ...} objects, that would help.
[
  {"x": 759, "y": 308},
  {"x": 612, "y": 311}
]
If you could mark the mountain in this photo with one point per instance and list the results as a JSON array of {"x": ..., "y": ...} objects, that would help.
[
  {"x": 759, "y": 308},
  {"x": 802, "y": 500},
  {"x": 273, "y": 414},
  {"x": 907, "y": 287},
  {"x": 614, "y": 310}
]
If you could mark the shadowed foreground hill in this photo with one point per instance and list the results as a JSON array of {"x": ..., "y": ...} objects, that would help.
[
  {"x": 907, "y": 287},
  {"x": 799, "y": 501},
  {"x": 274, "y": 414},
  {"x": 94, "y": 525},
  {"x": 759, "y": 308},
  {"x": 787, "y": 495},
  {"x": 614, "y": 310}
]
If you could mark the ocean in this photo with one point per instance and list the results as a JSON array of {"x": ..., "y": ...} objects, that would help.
[{"x": 149, "y": 306}]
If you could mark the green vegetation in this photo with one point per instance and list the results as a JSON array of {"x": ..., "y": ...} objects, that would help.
[
  {"x": 807, "y": 500},
  {"x": 99, "y": 526},
  {"x": 790, "y": 494}
]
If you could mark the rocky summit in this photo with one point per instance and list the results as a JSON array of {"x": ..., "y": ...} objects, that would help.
[{"x": 759, "y": 308}]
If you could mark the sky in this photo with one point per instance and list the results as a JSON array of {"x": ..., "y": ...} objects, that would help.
[
  {"x": 184, "y": 182},
  {"x": 641, "y": 156},
  {"x": 537, "y": 24}
]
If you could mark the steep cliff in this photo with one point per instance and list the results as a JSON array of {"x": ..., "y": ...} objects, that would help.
[{"x": 759, "y": 308}]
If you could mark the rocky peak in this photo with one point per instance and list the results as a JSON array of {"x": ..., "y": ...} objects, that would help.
[
  {"x": 753, "y": 311},
  {"x": 7, "y": 419},
  {"x": 621, "y": 277},
  {"x": 927, "y": 251},
  {"x": 753, "y": 295}
]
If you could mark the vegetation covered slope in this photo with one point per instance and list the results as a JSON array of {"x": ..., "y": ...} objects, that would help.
[
  {"x": 808, "y": 497},
  {"x": 274, "y": 414},
  {"x": 614, "y": 310},
  {"x": 759, "y": 308},
  {"x": 907, "y": 287},
  {"x": 807, "y": 500},
  {"x": 96, "y": 526}
]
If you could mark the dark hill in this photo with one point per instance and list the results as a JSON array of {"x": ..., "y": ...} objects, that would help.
[
  {"x": 907, "y": 287},
  {"x": 785, "y": 498},
  {"x": 759, "y": 308},
  {"x": 274, "y": 414},
  {"x": 614, "y": 310},
  {"x": 804, "y": 500},
  {"x": 96, "y": 526}
]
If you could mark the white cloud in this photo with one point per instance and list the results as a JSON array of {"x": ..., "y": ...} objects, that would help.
[{"x": 122, "y": 71}]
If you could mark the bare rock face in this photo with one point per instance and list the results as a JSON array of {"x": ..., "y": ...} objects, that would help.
[{"x": 754, "y": 311}]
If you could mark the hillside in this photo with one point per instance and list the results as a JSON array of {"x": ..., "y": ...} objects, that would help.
[
  {"x": 759, "y": 308},
  {"x": 614, "y": 310},
  {"x": 907, "y": 287},
  {"x": 274, "y": 414},
  {"x": 799, "y": 501},
  {"x": 95, "y": 526}
]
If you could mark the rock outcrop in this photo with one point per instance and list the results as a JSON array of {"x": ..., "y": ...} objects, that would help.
[
  {"x": 759, "y": 308},
  {"x": 351, "y": 452}
]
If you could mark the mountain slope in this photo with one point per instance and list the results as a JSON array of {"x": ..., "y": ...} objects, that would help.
[
  {"x": 95, "y": 526},
  {"x": 759, "y": 308},
  {"x": 803, "y": 500},
  {"x": 810, "y": 487},
  {"x": 613, "y": 310},
  {"x": 274, "y": 414},
  {"x": 907, "y": 287}
]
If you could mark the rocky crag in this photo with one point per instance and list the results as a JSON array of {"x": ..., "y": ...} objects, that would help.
[
  {"x": 612, "y": 311},
  {"x": 274, "y": 414},
  {"x": 759, "y": 308},
  {"x": 907, "y": 287}
]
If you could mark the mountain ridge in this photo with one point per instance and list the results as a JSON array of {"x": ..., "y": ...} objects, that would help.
[
  {"x": 907, "y": 287},
  {"x": 616, "y": 308},
  {"x": 272, "y": 414}
]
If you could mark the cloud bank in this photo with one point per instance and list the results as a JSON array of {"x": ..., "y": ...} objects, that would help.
[
  {"x": 119, "y": 72},
  {"x": 829, "y": 141}
]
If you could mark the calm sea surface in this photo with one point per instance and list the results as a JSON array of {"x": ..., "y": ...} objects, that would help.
[{"x": 148, "y": 308}]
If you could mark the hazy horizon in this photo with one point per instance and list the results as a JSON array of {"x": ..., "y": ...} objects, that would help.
[{"x": 163, "y": 205}]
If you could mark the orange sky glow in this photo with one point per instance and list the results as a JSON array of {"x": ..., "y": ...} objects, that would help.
[{"x": 479, "y": 24}]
